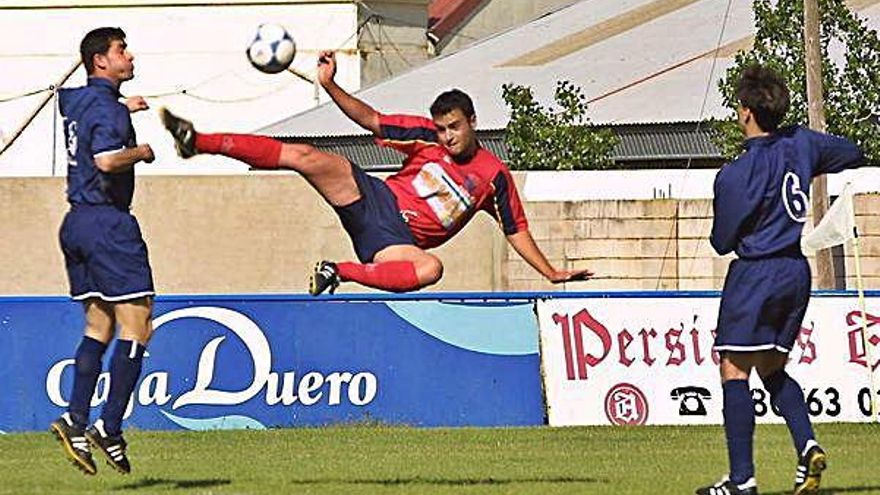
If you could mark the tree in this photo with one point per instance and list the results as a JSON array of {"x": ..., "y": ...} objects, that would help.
[
  {"x": 850, "y": 72},
  {"x": 540, "y": 138}
]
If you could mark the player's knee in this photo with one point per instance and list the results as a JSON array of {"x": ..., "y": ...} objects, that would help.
[
  {"x": 300, "y": 157},
  {"x": 772, "y": 378},
  {"x": 138, "y": 333},
  {"x": 771, "y": 366},
  {"x": 429, "y": 271},
  {"x": 100, "y": 331}
]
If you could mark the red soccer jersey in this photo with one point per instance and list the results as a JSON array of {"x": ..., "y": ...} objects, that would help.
[{"x": 437, "y": 196}]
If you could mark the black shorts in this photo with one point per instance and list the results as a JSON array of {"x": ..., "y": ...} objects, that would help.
[
  {"x": 763, "y": 304},
  {"x": 105, "y": 254},
  {"x": 373, "y": 222}
]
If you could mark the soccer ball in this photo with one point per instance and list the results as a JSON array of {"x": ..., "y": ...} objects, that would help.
[{"x": 272, "y": 49}]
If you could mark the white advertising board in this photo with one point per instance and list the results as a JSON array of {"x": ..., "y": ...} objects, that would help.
[{"x": 649, "y": 360}]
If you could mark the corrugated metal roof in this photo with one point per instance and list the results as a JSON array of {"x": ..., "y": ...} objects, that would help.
[
  {"x": 674, "y": 141},
  {"x": 657, "y": 145}
]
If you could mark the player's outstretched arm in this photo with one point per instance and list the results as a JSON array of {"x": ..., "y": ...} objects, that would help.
[
  {"x": 525, "y": 245},
  {"x": 835, "y": 153},
  {"x": 357, "y": 110}
]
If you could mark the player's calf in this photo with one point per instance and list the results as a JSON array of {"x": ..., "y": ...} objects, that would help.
[
  {"x": 74, "y": 443},
  {"x": 111, "y": 446}
]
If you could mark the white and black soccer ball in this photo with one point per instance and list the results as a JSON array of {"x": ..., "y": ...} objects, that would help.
[{"x": 272, "y": 49}]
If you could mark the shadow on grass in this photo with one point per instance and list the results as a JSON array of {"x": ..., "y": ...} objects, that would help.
[
  {"x": 833, "y": 491},
  {"x": 177, "y": 484},
  {"x": 444, "y": 482}
]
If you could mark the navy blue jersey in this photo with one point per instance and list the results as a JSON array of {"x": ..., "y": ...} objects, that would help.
[
  {"x": 95, "y": 122},
  {"x": 762, "y": 197}
]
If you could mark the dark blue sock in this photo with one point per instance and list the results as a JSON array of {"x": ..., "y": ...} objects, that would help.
[
  {"x": 739, "y": 427},
  {"x": 787, "y": 396},
  {"x": 125, "y": 368},
  {"x": 87, "y": 367}
]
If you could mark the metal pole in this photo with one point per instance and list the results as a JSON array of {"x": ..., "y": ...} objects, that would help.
[
  {"x": 54, "y": 128},
  {"x": 816, "y": 113}
]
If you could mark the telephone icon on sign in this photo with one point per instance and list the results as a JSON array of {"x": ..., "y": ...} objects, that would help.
[{"x": 691, "y": 400}]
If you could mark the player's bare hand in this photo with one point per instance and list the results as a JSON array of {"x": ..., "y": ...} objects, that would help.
[
  {"x": 560, "y": 276},
  {"x": 136, "y": 104},
  {"x": 147, "y": 155},
  {"x": 326, "y": 67}
]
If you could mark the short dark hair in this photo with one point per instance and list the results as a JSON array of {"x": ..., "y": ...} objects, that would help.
[
  {"x": 97, "y": 42},
  {"x": 451, "y": 100},
  {"x": 763, "y": 91}
]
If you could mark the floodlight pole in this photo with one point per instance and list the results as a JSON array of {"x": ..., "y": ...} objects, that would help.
[{"x": 816, "y": 113}]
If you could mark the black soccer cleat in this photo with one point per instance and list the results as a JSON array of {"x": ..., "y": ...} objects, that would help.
[
  {"x": 182, "y": 131},
  {"x": 113, "y": 447},
  {"x": 727, "y": 487},
  {"x": 74, "y": 443},
  {"x": 324, "y": 278},
  {"x": 809, "y": 471}
]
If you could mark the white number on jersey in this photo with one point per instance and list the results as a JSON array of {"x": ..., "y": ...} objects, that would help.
[
  {"x": 793, "y": 197},
  {"x": 71, "y": 143}
]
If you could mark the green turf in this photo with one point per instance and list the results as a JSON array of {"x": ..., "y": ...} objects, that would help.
[{"x": 395, "y": 460}]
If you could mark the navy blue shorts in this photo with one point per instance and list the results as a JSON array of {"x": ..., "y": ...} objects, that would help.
[
  {"x": 374, "y": 221},
  {"x": 763, "y": 304},
  {"x": 105, "y": 254}
]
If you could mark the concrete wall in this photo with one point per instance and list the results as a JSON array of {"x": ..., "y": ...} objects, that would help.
[
  {"x": 657, "y": 244},
  {"x": 262, "y": 233},
  {"x": 213, "y": 234}
]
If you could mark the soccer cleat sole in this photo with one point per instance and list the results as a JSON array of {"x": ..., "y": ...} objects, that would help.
[
  {"x": 169, "y": 121},
  {"x": 810, "y": 486},
  {"x": 69, "y": 452},
  {"x": 107, "y": 458}
]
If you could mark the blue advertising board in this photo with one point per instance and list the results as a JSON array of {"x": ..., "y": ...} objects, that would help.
[{"x": 282, "y": 361}]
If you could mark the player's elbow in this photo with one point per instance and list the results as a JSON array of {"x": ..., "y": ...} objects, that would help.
[
  {"x": 104, "y": 163},
  {"x": 370, "y": 122},
  {"x": 720, "y": 247},
  {"x": 429, "y": 271}
]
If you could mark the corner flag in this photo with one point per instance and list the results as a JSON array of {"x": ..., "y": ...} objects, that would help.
[{"x": 837, "y": 226}]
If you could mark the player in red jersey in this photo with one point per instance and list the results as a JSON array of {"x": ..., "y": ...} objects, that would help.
[{"x": 446, "y": 178}]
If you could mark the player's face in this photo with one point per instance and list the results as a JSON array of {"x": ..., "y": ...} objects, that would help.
[
  {"x": 455, "y": 132},
  {"x": 117, "y": 63}
]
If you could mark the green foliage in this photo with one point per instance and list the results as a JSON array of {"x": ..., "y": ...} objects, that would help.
[
  {"x": 851, "y": 86},
  {"x": 541, "y": 138}
]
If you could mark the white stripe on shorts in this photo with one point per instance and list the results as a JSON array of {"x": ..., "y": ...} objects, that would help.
[
  {"x": 750, "y": 348},
  {"x": 124, "y": 297}
]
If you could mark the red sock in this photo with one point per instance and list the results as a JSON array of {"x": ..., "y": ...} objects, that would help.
[
  {"x": 256, "y": 151},
  {"x": 393, "y": 276}
]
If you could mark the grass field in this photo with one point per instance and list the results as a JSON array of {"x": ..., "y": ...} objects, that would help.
[{"x": 397, "y": 460}]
